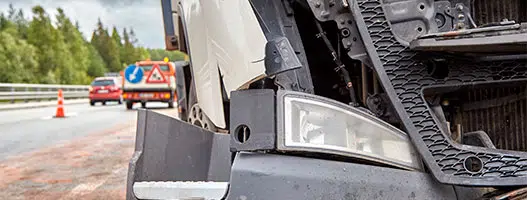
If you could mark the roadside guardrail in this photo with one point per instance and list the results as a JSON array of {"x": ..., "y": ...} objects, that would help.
[{"x": 13, "y": 92}]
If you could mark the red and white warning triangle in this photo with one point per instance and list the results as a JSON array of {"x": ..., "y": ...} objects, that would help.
[{"x": 156, "y": 76}]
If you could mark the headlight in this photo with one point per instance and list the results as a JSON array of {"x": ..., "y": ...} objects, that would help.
[{"x": 317, "y": 124}]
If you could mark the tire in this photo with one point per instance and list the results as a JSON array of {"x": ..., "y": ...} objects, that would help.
[
  {"x": 143, "y": 104},
  {"x": 198, "y": 118},
  {"x": 104, "y": 103},
  {"x": 129, "y": 105},
  {"x": 92, "y": 103},
  {"x": 171, "y": 104},
  {"x": 195, "y": 115}
]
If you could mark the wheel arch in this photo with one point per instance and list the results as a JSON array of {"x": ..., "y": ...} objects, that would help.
[{"x": 189, "y": 75}]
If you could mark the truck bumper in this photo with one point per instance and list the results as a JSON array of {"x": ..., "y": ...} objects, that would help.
[
  {"x": 270, "y": 176},
  {"x": 150, "y": 96},
  {"x": 168, "y": 150}
]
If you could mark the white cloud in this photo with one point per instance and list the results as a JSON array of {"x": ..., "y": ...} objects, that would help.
[{"x": 144, "y": 16}]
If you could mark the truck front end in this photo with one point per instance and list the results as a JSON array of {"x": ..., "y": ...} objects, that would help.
[{"x": 360, "y": 99}]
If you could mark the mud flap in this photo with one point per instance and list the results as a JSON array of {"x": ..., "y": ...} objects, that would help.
[{"x": 168, "y": 149}]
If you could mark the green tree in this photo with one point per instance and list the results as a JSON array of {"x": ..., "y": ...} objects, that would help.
[
  {"x": 33, "y": 50},
  {"x": 18, "y": 58},
  {"x": 7, "y": 26},
  {"x": 116, "y": 37},
  {"x": 118, "y": 40},
  {"x": 142, "y": 53},
  {"x": 139, "y": 53},
  {"x": 3, "y": 21},
  {"x": 114, "y": 63},
  {"x": 107, "y": 47},
  {"x": 133, "y": 38},
  {"x": 96, "y": 67},
  {"x": 54, "y": 57},
  {"x": 160, "y": 54},
  {"x": 76, "y": 46},
  {"x": 19, "y": 20},
  {"x": 128, "y": 51}
]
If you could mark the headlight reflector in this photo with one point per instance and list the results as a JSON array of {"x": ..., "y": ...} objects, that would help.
[{"x": 316, "y": 124}]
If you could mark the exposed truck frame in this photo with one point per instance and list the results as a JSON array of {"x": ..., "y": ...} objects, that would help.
[{"x": 272, "y": 84}]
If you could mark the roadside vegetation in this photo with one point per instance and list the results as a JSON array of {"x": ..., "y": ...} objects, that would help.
[{"x": 36, "y": 50}]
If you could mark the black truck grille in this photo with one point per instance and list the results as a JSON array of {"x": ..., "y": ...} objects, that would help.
[
  {"x": 500, "y": 112},
  {"x": 487, "y": 11},
  {"x": 405, "y": 78}
]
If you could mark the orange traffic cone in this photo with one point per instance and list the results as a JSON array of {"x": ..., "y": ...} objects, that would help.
[{"x": 60, "y": 106}]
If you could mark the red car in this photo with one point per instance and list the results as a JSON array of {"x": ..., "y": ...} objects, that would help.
[{"x": 104, "y": 89}]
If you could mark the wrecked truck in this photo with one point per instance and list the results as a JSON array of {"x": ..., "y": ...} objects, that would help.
[{"x": 340, "y": 99}]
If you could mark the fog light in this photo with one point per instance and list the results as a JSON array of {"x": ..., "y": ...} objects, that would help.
[{"x": 316, "y": 124}]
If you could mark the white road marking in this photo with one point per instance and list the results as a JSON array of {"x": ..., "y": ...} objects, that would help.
[
  {"x": 86, "y": 188},
  {"x": 70, "y": 114},
  {"x": 118, "y": 170}
]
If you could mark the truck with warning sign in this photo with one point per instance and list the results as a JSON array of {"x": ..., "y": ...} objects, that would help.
[{"x": 149, "y": 81}]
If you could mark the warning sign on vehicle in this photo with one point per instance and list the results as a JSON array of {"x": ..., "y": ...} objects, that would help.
[{"x": 156, "y": 76}]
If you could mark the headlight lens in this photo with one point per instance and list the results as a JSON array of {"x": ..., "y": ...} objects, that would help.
[{"x": 321, "y": 125}]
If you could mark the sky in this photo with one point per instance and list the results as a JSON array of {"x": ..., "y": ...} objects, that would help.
[{"x": 144, "y": 16}]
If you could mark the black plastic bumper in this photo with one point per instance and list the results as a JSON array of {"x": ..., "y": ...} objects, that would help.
[{"x": 267, "y": 176}]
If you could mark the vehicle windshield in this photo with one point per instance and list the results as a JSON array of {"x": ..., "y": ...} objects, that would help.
[
  {"x": 164, "y": 68},
  {"x": 102, "y": 83}
]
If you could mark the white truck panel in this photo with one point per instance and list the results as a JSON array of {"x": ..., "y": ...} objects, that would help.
[{"x": 222, "y": 34}]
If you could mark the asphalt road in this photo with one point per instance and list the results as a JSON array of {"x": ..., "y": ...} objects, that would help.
[
  {"x": 82, "y": 156},
  {"x": 30, "y": 129}
]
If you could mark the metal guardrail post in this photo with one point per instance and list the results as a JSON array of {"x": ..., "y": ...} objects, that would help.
[
  {"x": 12, "y": 90},
  {"x": 38, "y": 90},
  {"x": 27, "y": 90}
]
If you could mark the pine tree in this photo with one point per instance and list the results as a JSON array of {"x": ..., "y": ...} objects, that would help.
[
  {"x": 19, "y": 21},
  {"x": 22, "y": 24},
  {"x": 139, "y": 53},
  {"x": 114, "y": 64},
  {"x": 11, "y": 12},
  {"x": 3, "y": 21},
  {"x": 128, "y": 50},
  {"x": 54, "y": 57},
  {"x": 107, "y": 47},
  {"x": 99, "y": 38},
  {"x": 133, "y": 38},
  {"x": 42, "y": 35},
  {"x": 116, "y": 37},
  {"x": 7, "y": 26},
  {"x": 96, "y": 67},
  {"x": 35, "y": 51},
  {"x": 75, "y": 44}
]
